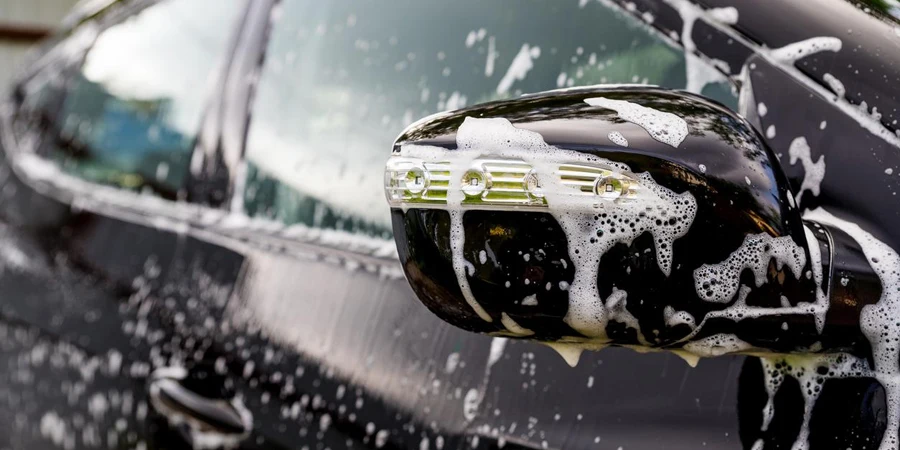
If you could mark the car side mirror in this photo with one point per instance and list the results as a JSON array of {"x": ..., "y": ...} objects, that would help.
[{"x": 624, "y": 215}]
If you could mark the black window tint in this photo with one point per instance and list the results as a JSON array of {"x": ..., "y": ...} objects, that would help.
[
  {"x": 342, "y": 78},
  {"x": 133, "y": 110}
]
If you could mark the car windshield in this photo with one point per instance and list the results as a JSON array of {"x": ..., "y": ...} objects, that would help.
[{"x": 342, "y": 79}]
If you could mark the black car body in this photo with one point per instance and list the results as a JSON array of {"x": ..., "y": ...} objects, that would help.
[{"x": 197, "y": 186}]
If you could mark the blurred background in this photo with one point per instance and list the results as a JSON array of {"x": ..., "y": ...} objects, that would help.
[{"x": 22, "y": 24}]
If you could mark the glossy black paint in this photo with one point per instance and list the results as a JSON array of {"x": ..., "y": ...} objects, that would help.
[
  {"x": 90, "y": 298},
  {"x": 740, "y": 190}
]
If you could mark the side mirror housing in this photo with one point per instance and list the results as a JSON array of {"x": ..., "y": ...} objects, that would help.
[{"x": 630, "y": 215}]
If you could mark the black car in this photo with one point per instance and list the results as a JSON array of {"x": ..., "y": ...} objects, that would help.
[{"x": 196, "y": 250}]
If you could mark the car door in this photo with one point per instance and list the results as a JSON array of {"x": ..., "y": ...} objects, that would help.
[
  {"x": 98, "y": 141},
  {"x": 337, "y": 83}
]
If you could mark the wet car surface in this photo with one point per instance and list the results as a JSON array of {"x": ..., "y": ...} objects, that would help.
[{"x": 212, "y": 199}]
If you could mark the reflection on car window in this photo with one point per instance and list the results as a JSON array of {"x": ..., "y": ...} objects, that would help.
[
  {"x": 342, "y": 78},
  {"x": 133, "y": 110}
]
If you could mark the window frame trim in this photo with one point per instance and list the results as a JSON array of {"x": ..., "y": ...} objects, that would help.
[{"x": 208, "y": 223}]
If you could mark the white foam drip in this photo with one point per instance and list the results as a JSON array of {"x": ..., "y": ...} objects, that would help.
[
  {"x": 675, "y": 213},
  {"x": 571, "y": 353},
  {"x": 662, "y": 126},
  {"x": 719, "y": 283},
  {"x": 878, "y": 321},
  {"x": 588, "y": 233},
  {"x": 688, "y": 357},
  {"x": 813, "y": 172},
  {"x": 457, "y": 239},
  {"x": 772, "y": 379},
  {"x": 618, "y": 139},
  {"x": 792, "y": 52},
  {"x": 519, "y": 67},
  {"x": 513, "y": 327},
  {"x": 835, "y": 85}
]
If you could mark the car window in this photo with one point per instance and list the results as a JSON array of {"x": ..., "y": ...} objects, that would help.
[
  {"x": 134, "y": 108},
  {"x": 342, "y": 78}
]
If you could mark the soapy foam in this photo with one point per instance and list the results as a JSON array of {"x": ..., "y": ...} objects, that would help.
[
  {"x": 618, "y": 139},
  {"x": 807, "y": 370},
  {"x": 835, "y": 85},
  {"x": 718, "y": 283},
  {"x": 697, "y": 72},
  {"x": 814, "y": 172},
  {"x": 617, "y": 305},
  {"x": 673, "y": 318},
  {"x": 717, "y": 345},
  {"x": 727, "y": 15},
  {"x": 592, "y": 233},
  {"x": 756, "y": 256},
  {"x": 592, "y": 227},
  {"x": 878, "y": 321},
  {"x": 690, "y": 12},
  {"x": 457, "y": 239},
  {"x": 792, "y": 52},
  {"x": 662, "y": 126}
]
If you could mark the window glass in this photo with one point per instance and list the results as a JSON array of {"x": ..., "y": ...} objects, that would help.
[
  {"x": 342, "y": 78},
  {"x": 134, "y": 108}
]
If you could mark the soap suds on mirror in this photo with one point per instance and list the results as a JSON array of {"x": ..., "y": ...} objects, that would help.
[
  {"x": 663, "y": 126},
  {"x": 719, "y": 282},
  {"x": 618, "y": 139},
  {"x": 588, "y": 237}
]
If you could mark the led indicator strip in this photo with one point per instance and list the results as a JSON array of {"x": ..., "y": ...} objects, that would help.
[{"x": 499, "y": 183}]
